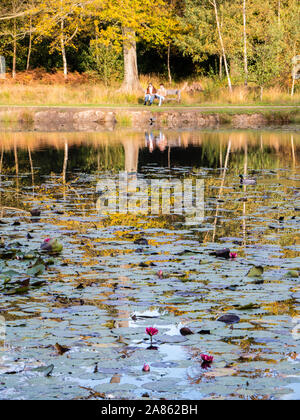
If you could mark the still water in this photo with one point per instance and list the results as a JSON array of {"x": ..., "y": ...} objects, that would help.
[{"x": 99, "y": 295}]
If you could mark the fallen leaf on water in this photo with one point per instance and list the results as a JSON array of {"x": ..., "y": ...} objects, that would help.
[
  {"x": 116, "y": 379},
  {"x": 218, "y": 372},
  {"x": 61, "y": 349},
  {"x": 250, "y": 356},
  {"x": 247, "y": 307},
  {"x": 93, "y": 394},
  {"x": 293, "y": 355},
  {"x": 105, "y": 345}
]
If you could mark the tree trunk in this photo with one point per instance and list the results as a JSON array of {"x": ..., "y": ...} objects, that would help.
[
  {"x": 213, "y": 2},
  {"x": 106, "y": 72},
  {"x": 261, "y": 93},
  {"x": 63, "y": 50},
  {"x": 220, "y": 66},
  {"x": 131, "y": 79},
  {"x": 1, "y": 159},
  {"x": 30, "y": 44},
  {"x": 294, "y": 71},
  {"x": 245, "y": 45},
  {"x": 169, "y": 68},
  {"x": 14, "y": 50},
  {"x": 279, "y": 5},
  {"x": 293, "y": 86}
]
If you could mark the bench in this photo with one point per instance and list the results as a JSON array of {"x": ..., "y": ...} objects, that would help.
[{"x": 173, "y": 95}]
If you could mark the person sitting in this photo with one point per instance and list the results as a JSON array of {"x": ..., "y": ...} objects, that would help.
[
  {"x": 150, "y": 94},
  {"x": 161, "y": 94}
]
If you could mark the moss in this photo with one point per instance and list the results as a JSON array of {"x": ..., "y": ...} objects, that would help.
[
  {"x": 124, "y": 119},
  {"x": 26, "y": 118},
  {"x": 225, "y": 118}
]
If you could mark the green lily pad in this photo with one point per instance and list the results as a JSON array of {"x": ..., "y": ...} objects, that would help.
[
  {"x": 293, "y": 274},
  {"x": 256, "y": 271}
]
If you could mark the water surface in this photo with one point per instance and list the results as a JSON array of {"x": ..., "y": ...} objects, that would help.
[{"x": 100, "y": 294}]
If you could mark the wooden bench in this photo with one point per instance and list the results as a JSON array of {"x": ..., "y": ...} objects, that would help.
[{"x": 173, "y": 95}]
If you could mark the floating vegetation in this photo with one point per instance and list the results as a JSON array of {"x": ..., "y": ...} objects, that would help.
[{"x": 126, "y": 305}]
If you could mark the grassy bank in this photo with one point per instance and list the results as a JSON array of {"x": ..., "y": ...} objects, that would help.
[
  {"x": 51, "y": 90},
  {"x": 138, "y": 117}
]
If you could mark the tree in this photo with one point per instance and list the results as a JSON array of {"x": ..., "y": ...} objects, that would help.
[
  {"x": 106, "y": 59},
  {"x": 60, "y": 21},
  {"x": 198, "y": 37},
  {"x": 266, "y": 66},
  {"x": 30, "y": 23},
  {"x": 172, "y": 31},
  {"x": 208, "y": 30},
  {"x": 289, "y": 24},
  {"x": 12, "y": 17},
  {"x": 128, "y": 21},
  {"x": 214, "y": 4},
  {"x": 245, "y": 43}
]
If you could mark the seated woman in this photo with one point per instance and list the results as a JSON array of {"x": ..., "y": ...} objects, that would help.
[
  {"x": 150, "y": 94},
  {"x": 161, "y": 94}
]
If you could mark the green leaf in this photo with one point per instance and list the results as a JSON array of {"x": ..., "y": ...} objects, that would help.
[
  {"x": 36, "y": 270},
  {"x": 256, "y": 271},
  {"x": 292, "y": 273}
]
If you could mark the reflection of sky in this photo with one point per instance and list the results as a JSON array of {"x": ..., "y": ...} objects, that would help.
[
  {"x": 295, "y": 395},
  {"x": 172, "y": 352}
]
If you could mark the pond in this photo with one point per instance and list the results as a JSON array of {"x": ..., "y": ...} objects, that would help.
[{"x": 72, "y": 323}]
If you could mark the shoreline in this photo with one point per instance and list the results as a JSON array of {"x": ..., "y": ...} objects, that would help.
[{"x": 82, "y": 118}]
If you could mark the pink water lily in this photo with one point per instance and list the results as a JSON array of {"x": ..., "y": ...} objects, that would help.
[
  {"x": 233, "y": 255},
  {"x": 146, "y": 368},
  {"x": 47, "y": 239},
  {"x": 151, "y": 331},
  {"x": 160, "y": 274},
  {"x": 206, "y": 358}
]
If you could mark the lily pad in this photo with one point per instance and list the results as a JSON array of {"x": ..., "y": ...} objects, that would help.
[{"x": 256, "y": 271}]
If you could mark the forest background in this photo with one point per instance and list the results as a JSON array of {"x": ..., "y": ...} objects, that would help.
[{"x": 106, "y": 51}]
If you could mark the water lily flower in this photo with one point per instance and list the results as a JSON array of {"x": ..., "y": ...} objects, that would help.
[
  {"x": 160, "y": 274},
  {"x": 206, "y": 358},
  {"x": 151, "y": 331},
  {"x": 146, "y": 368},
  {"x": 233, "y": 255}
]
